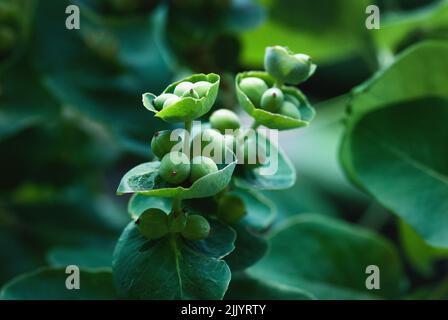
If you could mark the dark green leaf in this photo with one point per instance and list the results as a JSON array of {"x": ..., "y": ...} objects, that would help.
[
  {"x": 140, "y": 203},
  {"x": 260, "y": 211},
  {"x": 49, "y": 284},
  {"x": 83, "y": 257},
  {"x": 395, "y": 142},
  {"x": 172, "y": 267}
]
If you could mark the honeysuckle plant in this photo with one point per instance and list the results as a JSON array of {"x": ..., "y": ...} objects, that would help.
[{"x": 196, "y": 220}]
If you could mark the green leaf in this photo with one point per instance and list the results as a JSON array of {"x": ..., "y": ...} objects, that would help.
[
  {"x": 187, "y": 109},
  {"x": 144, "y": 179},
  {"x": 427, "y": 22},
  {"x": 249, "y": 248},
  {"x": 269, "y": 119},
  {"x": 328, "y": 258},
  {"x": 394, "y": 146},
  {"x": 140, "y": 203},
  {"x": 49, "y": 284},
  {"x": 260, "y": 211},
  {"x": 261, "y": 177},
  {"x": 172, "y": 267},
  {"x": 419, "y": 253},
  {"x": 83, "y": 257},
  {"x": 248, "y": 288}
]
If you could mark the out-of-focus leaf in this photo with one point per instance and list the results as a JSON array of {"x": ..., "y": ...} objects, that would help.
[
  {"x": 329, "y": 258},
  {"x": 395, "y": 141},
  {"x": 248, "y": 288},
  {"x": 49, "y": 284},
  {"x": 83, "y": 257},
  {"x": 140, "y": 203}
]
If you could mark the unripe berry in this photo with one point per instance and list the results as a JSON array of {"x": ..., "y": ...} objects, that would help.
[
  {"x": 200, "y": 167},
  {"x": 180, "y": 89},
  {"x": 175, "y": 167},
  {"x": 161, "y": 143},
  {"x": 208, "y": 143},
  {"x": 178, "y": 223},
  {"x": 170, "y": 101},
  {"x": 231, "y": 208},
  {"x": 153, "y": 224},
  {"x": 254, "y": 89},
  {"x": 190, "y": 94},
  {"x": 160, "y": 100},
  {"x": 292, "y": 99},
  {"x": 197, "y": 228},
  {"x": 202, "y": 87},
  {"x": 223, "y": 119},
  {"x": 290, "y": 110},
  {"x": 272, "y": 100},
  {"x": 254, "y": 153}
]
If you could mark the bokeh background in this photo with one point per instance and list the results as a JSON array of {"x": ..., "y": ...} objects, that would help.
[{"x": 72, "y": 122}]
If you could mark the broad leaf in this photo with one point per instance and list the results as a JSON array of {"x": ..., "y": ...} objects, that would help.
[
  {"x": 145, "y": 179},
  {"x": 187, "y": 109},
  {"x": 260, "y": 211},
  {"x": 50, "y": 284},
  {"x": 395, "y": 141},
  {"x": 249, "y": 248},
  {"x": 83, "y": 257},
  {"x": 270, "y": 119},
  {"x": 172, "y": 267},
  {"x": 249, "y": 288},
  {"x": 140, "y": 203},
  {"x": 329, "y": 259}
]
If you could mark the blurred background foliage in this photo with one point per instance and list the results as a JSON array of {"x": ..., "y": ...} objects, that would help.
[{"x": 71, "y": 120}]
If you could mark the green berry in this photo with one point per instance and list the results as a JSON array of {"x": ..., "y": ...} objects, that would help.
[
  {"x": 253, "y": 88},
  {"x": 160, "y": 100},
  {"x": 290, "y": 110},
  {"x": 180, "y": 89},
  {"x": 202, "y": 166},
  {"x": 292, "y": 99},
  {"x": 190, "y": 94},
  {"x": 202, "y": 87},
  {"x": 153, "y": 224},
  {"x": 272, "y": 100},
  {"x": 231, "y": 208},
  {"x": 174, "y": 167},
  {"x": 161, "y": 143},
  {"x": 223, "y": 119},
  {"x": 197, "y": 228},
  {"x": 170, "y": 101},
  {"x": 287, "y": 67},
  {"x": 207, "y": 143}
]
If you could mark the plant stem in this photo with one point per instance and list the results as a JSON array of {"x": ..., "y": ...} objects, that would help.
[
  {"x": 255, "y": 125},
  {"x": 278, "y": 84},
  {"x": 177, "y": 206}
]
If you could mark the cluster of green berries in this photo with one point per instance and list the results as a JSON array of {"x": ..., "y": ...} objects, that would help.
[
  {"x": 285, "y": 67},
  {"x": 185, "y": 89},
  {"x": 155, "y": 224}
]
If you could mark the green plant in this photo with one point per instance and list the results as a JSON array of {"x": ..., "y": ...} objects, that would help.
[{"x": 206, "y": 203}]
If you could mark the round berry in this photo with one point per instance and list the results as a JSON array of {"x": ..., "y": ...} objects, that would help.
[
  {"x": 231, "y": 208},
  {"x": 160, "y": 100},
  {"x": 178, "y": 223},
  {"x": 153, "y": 224},
  {"x": 174, "y": 167},
  {"x": 197, "y": 228},
  {"x": 254, "y": 89},
  {"x": 201, "y": 166},
  {"x": 272, "y": 100},
  {"x": 170, "y": 101},
  {"x": 180, "y": 89},
  {"x": 190, "y": 94},
  {"x": 223, "y": 119},
  {"x": 208, "y": 143},
  {"x": 290, "y": 110},
  {"x": 292, "y": 99},
  {"x": 162, "y": 143},
  {"x": 202, "y": 87}
]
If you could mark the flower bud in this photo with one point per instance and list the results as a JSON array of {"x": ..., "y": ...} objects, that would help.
[{"x": 287, "y": 67}]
